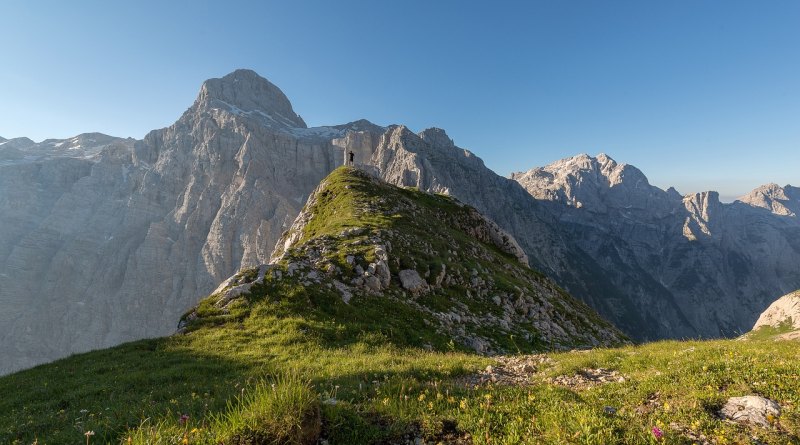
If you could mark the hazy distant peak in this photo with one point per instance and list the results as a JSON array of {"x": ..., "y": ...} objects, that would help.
[
  {"x": 673, "y": 193},
  {"x": 778, "y": 200},
  {"x": 600, "y": 171},
  {"x": 361, "y": 125},
  {"x": 244, "y": 91},
  {"x": 17, "y": 143}
]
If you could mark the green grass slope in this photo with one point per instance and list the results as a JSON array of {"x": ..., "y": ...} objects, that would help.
[{"x": 289, "y": 361}]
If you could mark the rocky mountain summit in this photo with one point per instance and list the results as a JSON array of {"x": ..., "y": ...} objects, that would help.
[
  {"x": 690, "y": 266},
  {"x": 367, "y": 242},
  {"x": 783, "y": 201},
  {"x": 114, "y": 240},
  {"x": 96, "y": 251}
]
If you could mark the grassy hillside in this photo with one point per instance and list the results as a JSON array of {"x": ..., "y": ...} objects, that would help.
[
  {"x": 385, "y": 392},
  {"x": 289, "y": 361}
]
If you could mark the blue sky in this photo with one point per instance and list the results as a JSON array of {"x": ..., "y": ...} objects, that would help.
[{"x": 698, "y": 94}]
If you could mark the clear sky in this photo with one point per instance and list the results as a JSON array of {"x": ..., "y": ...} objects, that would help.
[{"x": 698, "y": 94}]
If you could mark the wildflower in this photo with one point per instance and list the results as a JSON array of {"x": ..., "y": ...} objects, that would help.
[
  {"x": 185, "y": 440},
  {"x": 421, "y": 397},
  {"x": 657, "y": 433},
  {"x": 386, "y": 401},
  {"x": 463, "y": 404},
  {"x": 184, "y": 418},
  {"x": 88, "y": 434}
]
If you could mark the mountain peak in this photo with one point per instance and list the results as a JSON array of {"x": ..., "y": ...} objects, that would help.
[
  {"x": 437, "y": 137},
  {"x": 779, "y": 200},
  {"x": 244, "y": 91}
]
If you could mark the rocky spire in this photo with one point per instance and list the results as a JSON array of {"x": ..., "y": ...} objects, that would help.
[{"x": 244, "y": 91}]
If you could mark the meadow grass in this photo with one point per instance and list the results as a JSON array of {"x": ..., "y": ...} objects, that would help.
[{"x": 372, "y": 390}]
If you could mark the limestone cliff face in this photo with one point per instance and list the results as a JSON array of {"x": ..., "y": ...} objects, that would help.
[
  {"x": 101, "y": 246},
  {"x": 691, "y": 265}
]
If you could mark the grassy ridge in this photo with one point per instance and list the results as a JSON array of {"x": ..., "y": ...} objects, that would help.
[{"x": 290, "y": 360}]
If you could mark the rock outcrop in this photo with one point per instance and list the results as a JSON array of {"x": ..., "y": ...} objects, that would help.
[{"x": 781, "y": 320}]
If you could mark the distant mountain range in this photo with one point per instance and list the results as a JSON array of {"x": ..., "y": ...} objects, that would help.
[{"x": 104, "y": 240}]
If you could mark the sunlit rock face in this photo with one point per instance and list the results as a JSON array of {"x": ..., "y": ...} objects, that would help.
[
  {"x": 105, "y": 240},
  {"x": 100, "y": 245},
  {"x": 690, "y": 265}
]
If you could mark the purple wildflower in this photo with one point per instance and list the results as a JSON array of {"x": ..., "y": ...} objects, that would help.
[
  {"x": 184, "y": 418},
  {"x": 657, "y": 433}
]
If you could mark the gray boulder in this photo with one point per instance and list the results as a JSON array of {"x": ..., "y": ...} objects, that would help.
[
  {"x": 752, "y": 410},
  {"x": 412, "y": 282}
]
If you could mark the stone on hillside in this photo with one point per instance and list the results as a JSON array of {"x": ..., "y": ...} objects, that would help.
[
  {"x": 753, "y": 410},
  {"x": 344, "y": 290},
  {"x": 478, "y": 344},
  {"x": 412, "y": 282},
  {"x": 354, "y": 231},
  {"x": 383, "y": 273},
  {"x": 372, "y": 283}
]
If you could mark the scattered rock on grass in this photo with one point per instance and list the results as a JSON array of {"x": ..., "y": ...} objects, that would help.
[
  {"x": 588, "y": 377},
  {"x": 753, "y": 410},
  {"x": 516, "y": 371}
]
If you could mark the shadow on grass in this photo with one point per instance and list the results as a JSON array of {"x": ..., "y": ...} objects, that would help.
[{"x": 111, "y": 390}]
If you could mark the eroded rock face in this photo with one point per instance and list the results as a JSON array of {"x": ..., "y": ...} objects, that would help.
[
  {"x": 116, "y": 243},
  {"x": 687, "y": 266}
]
